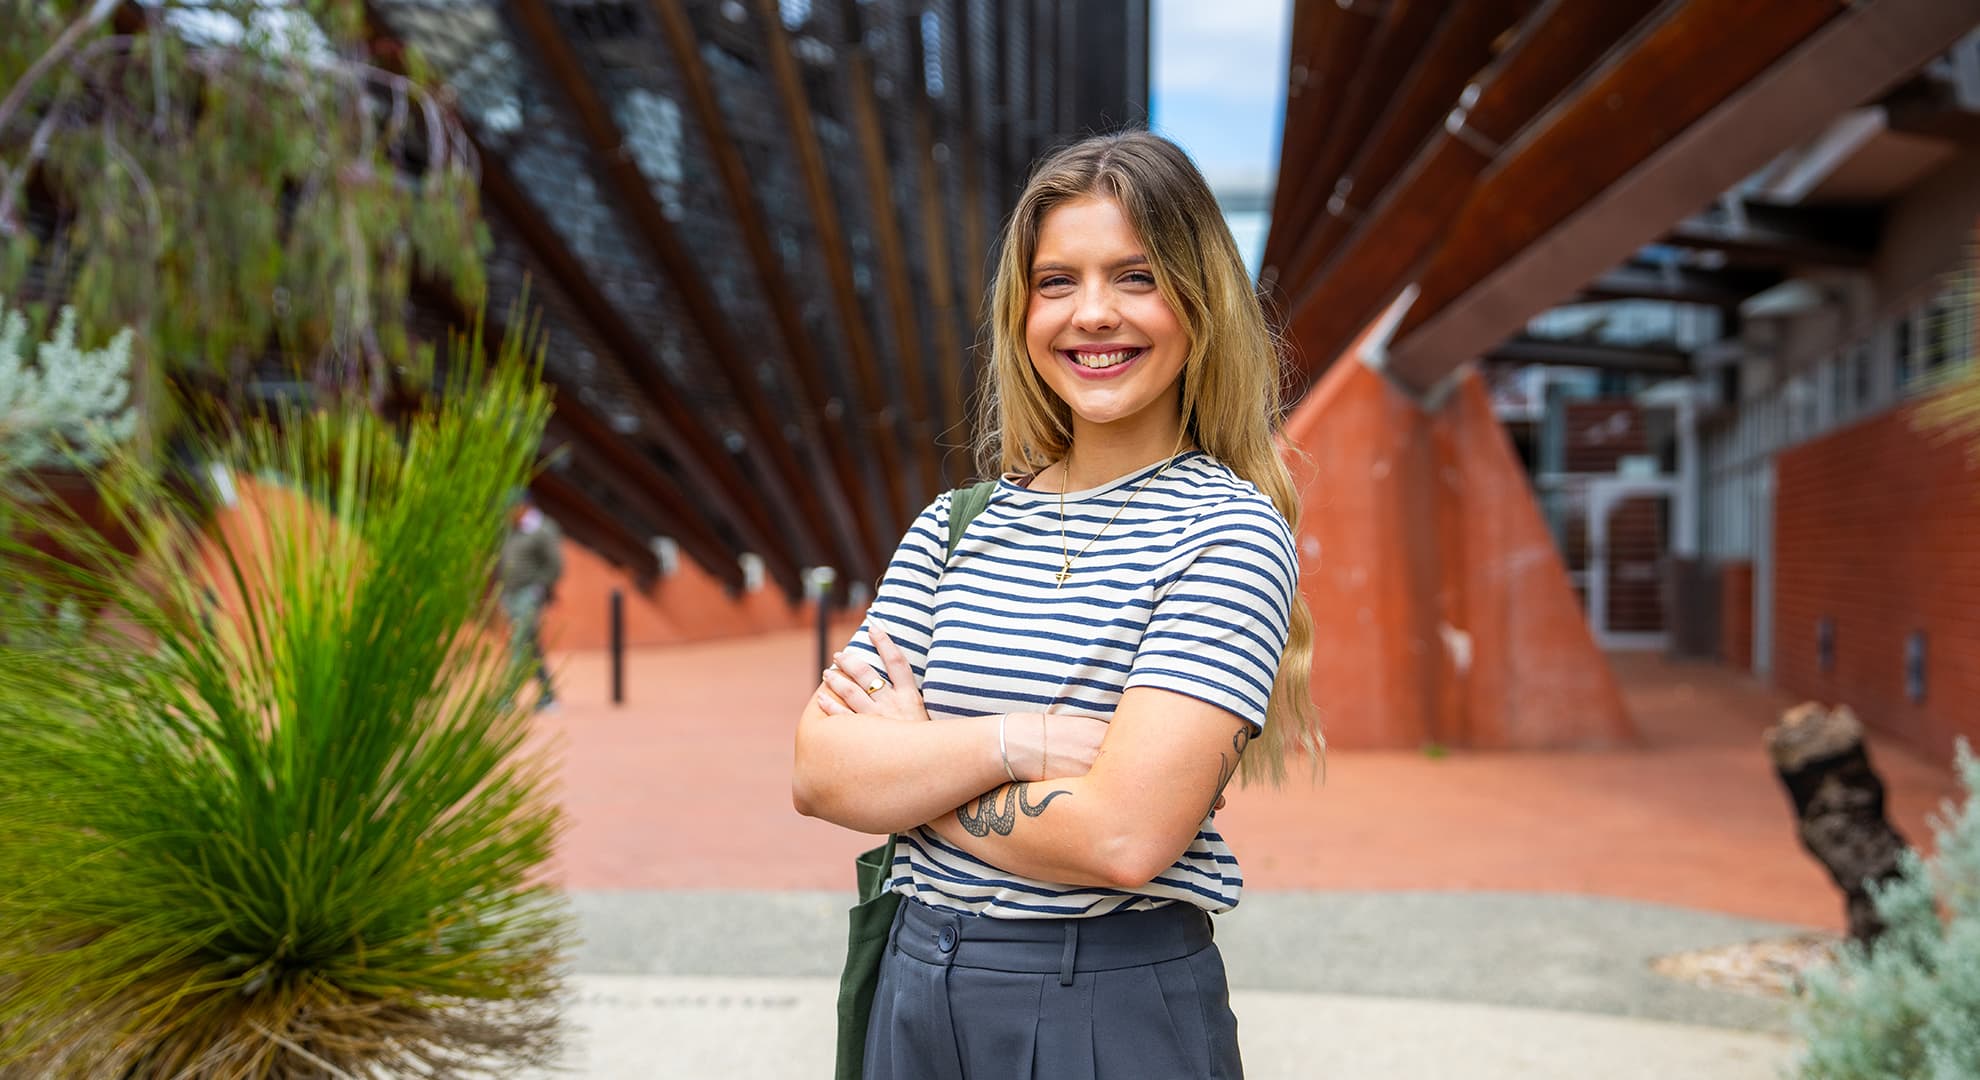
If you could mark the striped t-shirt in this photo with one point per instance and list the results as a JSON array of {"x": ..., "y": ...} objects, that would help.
[{"x": 1189, "y": 590}]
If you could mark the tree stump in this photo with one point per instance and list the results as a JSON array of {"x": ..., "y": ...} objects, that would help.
[{"x": 1839, "y": 805}]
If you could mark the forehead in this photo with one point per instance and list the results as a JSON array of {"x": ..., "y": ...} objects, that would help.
[{"x": 1091, "y": 226}]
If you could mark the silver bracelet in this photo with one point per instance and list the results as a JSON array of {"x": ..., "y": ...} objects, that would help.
[{"x": 1003, "y": 751}]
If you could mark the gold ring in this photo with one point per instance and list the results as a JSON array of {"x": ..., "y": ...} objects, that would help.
[{"x": 878, "y": 684}]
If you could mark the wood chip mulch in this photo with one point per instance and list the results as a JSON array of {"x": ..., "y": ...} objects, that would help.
[{"x": 1771, "y": 967}]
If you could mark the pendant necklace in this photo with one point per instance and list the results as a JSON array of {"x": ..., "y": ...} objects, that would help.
[{"x": 1065, "y": 481}]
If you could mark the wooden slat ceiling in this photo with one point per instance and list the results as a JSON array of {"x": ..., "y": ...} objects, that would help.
[
  {"x": 754, "y": 234},
  {"x": 1503, "y": 121}
]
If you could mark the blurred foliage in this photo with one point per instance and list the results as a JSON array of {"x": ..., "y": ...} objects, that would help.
[
  {"x": 68, "y": 401},
  {"x": 1909, "y": 1009},
  {"x": 230, "y": 177},
  {"x": 274, "y": 814}
]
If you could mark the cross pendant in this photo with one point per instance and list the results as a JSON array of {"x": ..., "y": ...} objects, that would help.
[{"x": 1062, "y": 575}]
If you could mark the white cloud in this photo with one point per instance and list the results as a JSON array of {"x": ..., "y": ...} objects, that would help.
[{"x": 1231, "y": 50}]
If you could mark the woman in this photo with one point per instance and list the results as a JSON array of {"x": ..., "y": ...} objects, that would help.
[{"x": 1117, "y": 630}]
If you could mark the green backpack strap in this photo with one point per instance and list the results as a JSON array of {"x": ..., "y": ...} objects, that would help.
[{"x": 964, "y": 504}]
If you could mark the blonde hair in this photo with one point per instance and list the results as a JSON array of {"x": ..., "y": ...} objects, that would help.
[{"x": 1230, "y": 378}]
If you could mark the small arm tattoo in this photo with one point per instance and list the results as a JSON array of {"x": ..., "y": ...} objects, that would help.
[
  {"x": 987, "y": 818},
  {"x": 1227, "y": 765}
]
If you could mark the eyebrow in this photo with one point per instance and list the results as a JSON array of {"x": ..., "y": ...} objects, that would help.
[{"x": 1131, "y": 260}]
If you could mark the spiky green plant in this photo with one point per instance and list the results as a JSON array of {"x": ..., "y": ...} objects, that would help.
[
  {"x": 1910, "y": 1008},
  {"x": 300, "y": 833}
]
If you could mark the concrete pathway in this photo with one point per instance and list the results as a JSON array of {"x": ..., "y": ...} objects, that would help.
[{"x": 1464, "y": 916}]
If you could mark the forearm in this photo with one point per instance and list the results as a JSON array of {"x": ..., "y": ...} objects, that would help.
[
  {"x": 878, "y": 774},
  {"x": 1068, "y": 831}
]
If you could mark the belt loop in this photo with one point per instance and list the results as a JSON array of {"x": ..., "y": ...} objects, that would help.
[{"x": 1072, "y": 949}]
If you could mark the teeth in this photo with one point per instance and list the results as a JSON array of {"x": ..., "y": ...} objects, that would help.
[{"x": 1103, "y": 360}]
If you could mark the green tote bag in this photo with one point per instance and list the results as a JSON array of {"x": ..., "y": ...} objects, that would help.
[{"x": 873, "y": 916}]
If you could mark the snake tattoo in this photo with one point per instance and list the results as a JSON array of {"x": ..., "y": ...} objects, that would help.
[{"x": 987, "y": 818}]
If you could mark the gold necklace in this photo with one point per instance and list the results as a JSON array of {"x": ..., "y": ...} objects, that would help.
[{"x": 1065, "y": 481}]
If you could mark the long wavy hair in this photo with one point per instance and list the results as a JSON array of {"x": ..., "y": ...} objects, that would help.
[{"x": 1231, "y": 377}]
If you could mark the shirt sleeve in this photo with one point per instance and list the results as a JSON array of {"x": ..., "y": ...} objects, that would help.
[
  {"x": 1220, "y": 627},
  {"x": 904, "y": 602}
]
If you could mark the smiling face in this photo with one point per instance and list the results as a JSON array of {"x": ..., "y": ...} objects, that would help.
[{"x": 1097, "y": 330}]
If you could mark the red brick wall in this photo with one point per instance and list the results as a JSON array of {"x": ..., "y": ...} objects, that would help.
[
  {"x": 1878, "y": 527},
  {"x": 1736, "y": 614},
  {"x": 1637, "y": 528}
]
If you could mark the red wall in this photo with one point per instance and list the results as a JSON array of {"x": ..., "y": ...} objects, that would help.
[
  {"x": 1736, "y": 614},
  {"x": 687, "y": 605},
  {"x": 1878, "y": 527}
]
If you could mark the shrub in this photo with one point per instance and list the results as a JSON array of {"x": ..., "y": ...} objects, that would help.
[{"x": 1909, "y": 1009}]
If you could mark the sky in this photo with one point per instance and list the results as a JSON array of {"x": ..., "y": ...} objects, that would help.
[{"x": 1217, "y": 84}]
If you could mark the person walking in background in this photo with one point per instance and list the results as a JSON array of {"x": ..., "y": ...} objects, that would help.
[
  {"x": 532, "y": 561},
  {"x": 1048, "y": 714}
]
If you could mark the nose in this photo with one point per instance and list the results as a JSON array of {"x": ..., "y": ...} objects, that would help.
[{"x": 1097, "y": 310}]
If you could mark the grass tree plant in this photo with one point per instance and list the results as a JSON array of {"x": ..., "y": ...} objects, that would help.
[{"x": 299, "y": 832}]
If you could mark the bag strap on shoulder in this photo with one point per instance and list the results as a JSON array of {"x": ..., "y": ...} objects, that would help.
[{"x": 964, "y": 504}]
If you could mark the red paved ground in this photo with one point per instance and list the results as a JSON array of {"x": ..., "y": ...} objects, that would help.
[{"x": 687, "y": 786}]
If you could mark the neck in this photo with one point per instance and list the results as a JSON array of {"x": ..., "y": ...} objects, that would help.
[{"x": 1099, "y": 455}]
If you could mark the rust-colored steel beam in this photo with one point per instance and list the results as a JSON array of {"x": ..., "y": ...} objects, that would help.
[
  {"x": 974, "y": 247},
  {"x": 1554, "y": 46},
  {"x": 634, "y": 476},
  {"x": 766, "y": 444},
  {"x": 724, "y": 486},
  {"x": 874, "y": 398},
  {"x": 1849, "y": 58},
  {"x": 593, "y": 526},
  {"x": 1458, "y": 50},
  {"x": 936, "y": 252},
  {"x": 872, "y": 143},
  {"x": 838, "y": 443},
  {"x": 1328, "y": 43},
  {"x": 1392, "y": 54},
  {"x": 1674, "y": 73}
]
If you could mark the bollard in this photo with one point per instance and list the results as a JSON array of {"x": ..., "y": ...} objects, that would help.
[
  {"x": 618, "y": 647},
  {"x": 820, "y": 586}
]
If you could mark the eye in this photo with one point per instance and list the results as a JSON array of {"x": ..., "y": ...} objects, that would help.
[
  {"x": 1054, "y": 283},
  {"x": 1139, "y": 277}
]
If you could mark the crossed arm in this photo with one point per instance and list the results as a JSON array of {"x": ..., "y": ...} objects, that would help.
[{"x": 881, "y": 766}]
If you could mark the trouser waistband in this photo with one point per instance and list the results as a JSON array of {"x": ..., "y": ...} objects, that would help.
[{"x": 1042, "y": 946}]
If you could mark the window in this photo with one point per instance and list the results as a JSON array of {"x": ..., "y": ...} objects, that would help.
[
  {"x": 1938, "y": 337},
  {"x": 1859, "y": 366}
]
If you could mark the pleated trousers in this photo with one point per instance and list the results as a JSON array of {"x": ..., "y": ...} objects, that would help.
[{"x": 1132, "y": 996}]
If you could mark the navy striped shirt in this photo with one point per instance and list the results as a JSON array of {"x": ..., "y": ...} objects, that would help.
[{"x": 1189, "y": 590}]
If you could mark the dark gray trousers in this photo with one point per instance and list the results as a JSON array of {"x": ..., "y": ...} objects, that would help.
[{"x": 1134, "y": 996}]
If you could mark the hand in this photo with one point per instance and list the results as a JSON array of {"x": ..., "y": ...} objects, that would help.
[
  {"x": 843, "y": 690},
  {"x": 1053, "y": 747}
]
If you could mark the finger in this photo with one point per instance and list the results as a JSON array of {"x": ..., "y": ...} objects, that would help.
[
  {"x": 851, "y": 693},
  {"x": 830, "y": 702},
  {"x": 861, "y": 672},
  {"x": 899, "y": 669}
]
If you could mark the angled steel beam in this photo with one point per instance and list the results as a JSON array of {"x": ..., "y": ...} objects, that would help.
[
  {"x": 1391, "y": 56},
  {"x": 1645, "y": 359},
  {"x": 1320, "y": 59},
  {"x": 1849, "y": 60},
  {"x": 1553, "y": 47},
  {"x": 593, "y": 526},
  {"x": 1725, "y": 288},
  {"x": 724, "y": 487},
  {"x": 634, "y": 476},
  {"x": 1774, "y": 235},
  {"x": 766, "y": 442},
  {"x": 974, "y": 247},
  {"x": 838, "y": 443},
  {"x": 936, "y": 253},
  {"x": 1459, "y": 47},
  {"x": 874, "y": 398},
  {"x": 893, "y": 255},
  {"x": 1677, "y": 71}
]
